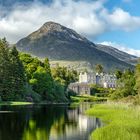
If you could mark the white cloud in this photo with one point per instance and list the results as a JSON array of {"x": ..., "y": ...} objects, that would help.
[
  {"x": 122, "y": 47},
  {"x": 122, "y": 20},
  {"x": 90, "y": 18},
  {"x": 23, "y": 20},
  {"x": 92, "y": 26}
]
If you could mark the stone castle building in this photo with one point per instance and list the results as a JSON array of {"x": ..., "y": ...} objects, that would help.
[
  {"x": 80, "y": 88},
  {"x": 103, "y": 80},
  {"x": 85, "y": 79}
]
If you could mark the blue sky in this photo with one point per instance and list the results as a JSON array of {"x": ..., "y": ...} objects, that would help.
[
  {"x": 130, "y": 39},
  {"x": 110, "y": 22}
]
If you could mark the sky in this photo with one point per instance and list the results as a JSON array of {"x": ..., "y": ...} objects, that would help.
[{"x": 108, "y": 22}]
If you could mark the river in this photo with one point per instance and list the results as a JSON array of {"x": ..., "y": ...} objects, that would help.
[{"x": 46, "y": 122}]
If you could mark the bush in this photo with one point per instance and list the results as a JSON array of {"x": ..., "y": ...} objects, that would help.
[
  {"x": 0, "y": 99},
  {"x": 59, "y": 92},
  {"x": 101, "y": 94},
  {"x": 30, "y": 95},
  {"x": 121, "y": 93},
  {"x": 71, "y": 93},
  {"x": 95, "y": 89},
  {"x": 137, "y": 100}
]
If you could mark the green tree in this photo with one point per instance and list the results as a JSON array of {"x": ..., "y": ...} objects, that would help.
[
  {"x": 99, "y": 68},
  {"x": 42, "y": 82},
  {"x": 51, "y": 84},
  {"x": 118, "y": 74},
  {"x": 30, "y": 64},
  {"x": 64, "y": 75},
  {"x": 39, "y": 81},
  {"x": 137, "y": 75},
  {"x": 5, "y": 80},
  {"x": 17, "y": 74},
  {"x": 12, "y": 78},
  {"x": 49, "y": 76},
  {"x": 125, "y": 85}
]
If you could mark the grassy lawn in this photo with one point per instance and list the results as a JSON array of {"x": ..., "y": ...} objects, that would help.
[
  {"x": 15, "y": 103},
  {"x": 122, "y": 122},
  {"x": 87, "y": 98}
]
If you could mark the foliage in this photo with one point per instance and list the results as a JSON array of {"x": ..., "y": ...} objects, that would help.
[
  {"x": 30, "y": 95},
  {"x": 137, "y": 74},
  {"x": 71, "y": 93},
  {"x": 64, "y": 75},
  {"x": 103, "y": 94},
  {"x": 99, "y": 68},
  {"x": 12, "y": 74},
  {"x": 15, "y": 103},
  {"x": 85, "y": 98},
  {"x": 39, "y": 76},
  {"x": 41, "y": 82},
  {"x": 99, "y": 91},
  {"x": 50, "y": 84},
  {"x": 118, "y": 74},
  {"x": 26, "y": 78},
  {"x": 18, "y": 73},
  {"x": 0, "y": 99},
  {"x": 30, "y": 64},
  {"x": 60, "y": 92},
  {"x": 125, "y": 85}
]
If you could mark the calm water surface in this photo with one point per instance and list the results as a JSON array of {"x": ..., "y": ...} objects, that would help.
[{"x": 46, "y": 122}]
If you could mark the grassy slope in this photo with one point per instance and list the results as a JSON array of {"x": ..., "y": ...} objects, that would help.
[
  {"x": 86, "y": 98},
  {"x": 78, "y": 65},
  {"x": 122, "y": 122},
  {"x": 15, "y": 103}
]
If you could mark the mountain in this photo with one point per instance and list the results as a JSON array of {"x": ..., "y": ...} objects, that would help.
[
  {"x": 123, "y": 56},
  {"x": 61, "y": 44}
]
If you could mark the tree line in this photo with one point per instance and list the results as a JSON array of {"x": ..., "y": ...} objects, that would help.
[
  {"x": 26, "y": 78},
  {"x": 128, "y": 84}
]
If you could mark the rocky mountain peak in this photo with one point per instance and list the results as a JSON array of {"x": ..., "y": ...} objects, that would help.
[
  {"x": 60, "y": 43},
  {"x": 52, "y": 26},
  {"x": 56, "y": 29}
]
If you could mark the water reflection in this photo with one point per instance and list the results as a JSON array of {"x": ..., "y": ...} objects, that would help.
[{"x": 50, "y": 122}]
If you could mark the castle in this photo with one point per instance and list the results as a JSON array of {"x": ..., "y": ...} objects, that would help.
[
  {"x": 103, "y": 80},
  {"x": 85, "y": 79}
]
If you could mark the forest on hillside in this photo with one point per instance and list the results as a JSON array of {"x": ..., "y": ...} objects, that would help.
[{"x": 25, "y": 78}]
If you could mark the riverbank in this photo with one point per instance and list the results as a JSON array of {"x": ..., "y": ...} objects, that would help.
[
  {"x": 74, "y": 100},
  {"x": 15, "y": 103},
  {"x": 30, "y": 103},
  {"x": 122, "y": 121},
  {"x": 87, "y": 98}
]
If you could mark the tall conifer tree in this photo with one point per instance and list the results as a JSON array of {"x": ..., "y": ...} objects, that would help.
[
  {"x": 5, "y": 80},
  {"x": 17, "y": 73},
  {"x": 12, "y": 77}
]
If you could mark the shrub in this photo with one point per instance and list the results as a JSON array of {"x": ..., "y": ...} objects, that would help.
[
  {"x": 101, "y": 94},
  {"x": 29, "y": 93},
  {"x": 71, "y": 93},
  {"x": 0, "y": 99}
]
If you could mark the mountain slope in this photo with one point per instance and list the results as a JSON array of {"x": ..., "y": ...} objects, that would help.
[
  {"x": 123, "y": 56},
  {"x": 59, "y": 43}
]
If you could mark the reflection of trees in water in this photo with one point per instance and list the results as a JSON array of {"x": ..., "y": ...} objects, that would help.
[
  {"x": 33, "y": 123},
  {"x": 39, "y": 122},
  {"x": 11, "y": 125},
  {"x": 62, "y": 125}
]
